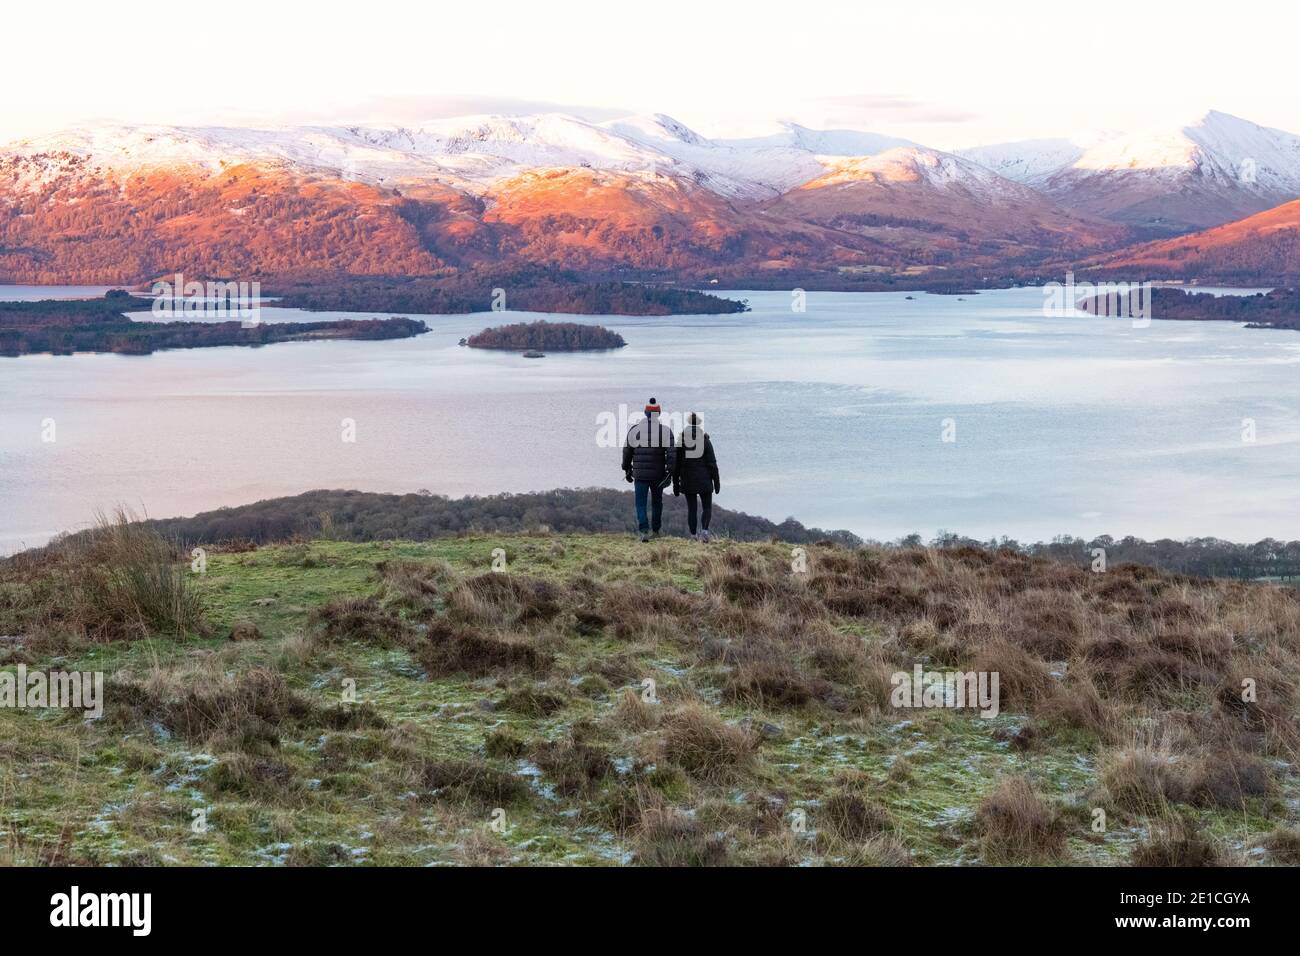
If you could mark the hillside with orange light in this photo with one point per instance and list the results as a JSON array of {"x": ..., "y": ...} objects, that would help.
[
  {"x": 914, "y": 205},
  {"x": 87, "y": 224},
  {"x": 260, "y": 221},
  {"x": 243, "y": 221},
  {"x": 600, "y": 221},
  {"x": 1263, "y": 248},
  {"x": 642, "y": 198}
]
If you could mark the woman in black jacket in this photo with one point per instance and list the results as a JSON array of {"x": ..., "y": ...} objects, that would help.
[{"x": 696, "y": 475}]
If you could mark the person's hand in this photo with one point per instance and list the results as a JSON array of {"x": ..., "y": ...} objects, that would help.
[
  {"x": 628, "y": 476},
  {"x": 717, "y": 487}
]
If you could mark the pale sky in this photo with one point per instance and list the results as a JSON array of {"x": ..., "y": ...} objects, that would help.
[{"x": 947, "y": 74}]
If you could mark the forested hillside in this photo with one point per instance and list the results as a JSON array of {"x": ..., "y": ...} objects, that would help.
[{"x": 364, "y": 516}]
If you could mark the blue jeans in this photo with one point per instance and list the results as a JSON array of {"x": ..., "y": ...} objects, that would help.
[{"x": 651, "y": 488}]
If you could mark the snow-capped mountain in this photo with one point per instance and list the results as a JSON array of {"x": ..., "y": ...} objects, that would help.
[
  {"x": 470, "y": 152},
  {"x": 643, "y": 193},
  {"x": 902, "y": 164},
  {"x": 908, "y": 191},
  {"x": 750, "y": 169},
  {"x": 1028, "y": 162},
  {"x": 1211, "y": 171},
  {"x": 476, "y": 152},
  {"x": 640, "y": 193}
]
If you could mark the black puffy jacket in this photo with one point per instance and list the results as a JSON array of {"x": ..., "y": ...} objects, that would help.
[
  {"x": 697, "y": 468},
  {"x": 650, "y": 452}
]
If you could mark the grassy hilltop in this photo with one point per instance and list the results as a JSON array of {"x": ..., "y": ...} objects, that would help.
[{"x": 522, "y": 691}]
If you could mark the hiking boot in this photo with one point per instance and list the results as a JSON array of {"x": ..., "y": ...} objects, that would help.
[
  {"x": 644, "y": 537},
  {"x": 704, "y": 536}
]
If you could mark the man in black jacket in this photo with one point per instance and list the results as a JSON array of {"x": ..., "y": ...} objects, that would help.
[{"x": 649, "y": 462}]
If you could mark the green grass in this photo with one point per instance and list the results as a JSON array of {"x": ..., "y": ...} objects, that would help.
[{"x": 73, "y": 791}]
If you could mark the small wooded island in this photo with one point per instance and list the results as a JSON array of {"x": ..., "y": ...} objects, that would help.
[
  {"x": 542, "y": 336},
  {"x": 527, "y": 289},
  {"x": 1279, "y": 309},
  {"x": 62, "y": 327}
]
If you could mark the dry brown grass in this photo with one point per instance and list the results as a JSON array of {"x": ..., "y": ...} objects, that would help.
[
  {"x": 536, "y": 700},
  {"x": 1143, "y": 778},
  {"x": 472, "y": 782},
  {"x": 883, "y": 849},
  {"x": 576, "y": 765},
  {"x": 119, "y": 581},
  {"x": 363, "y": 620},
  {"x": 503, "y": 743},
  {"x": 772, "y": 683},
  {"x": 413, "y": 585},
  {"x": 1228, "y": 778},
  {"x": 258, "y": 777},
  {"x": 853, "y": 817},
  {"x": 244, "y": 712},
  {"x": 1177, "y": 842},
  {"x": 1104, "y": 654},
  {"x": 704, "y": 745},
  {"x": 1017, "y": 826},
  {"x": 635, "y": 713},
  {"x": 1101, "y": 652},
  {"x": 1283, "y": 846},
  {"x": 455, "y": 648},
  {"x": 502, "y": 599},
  {"x": 668, "y": 837},
  {"x": 1144, "y": 669}
]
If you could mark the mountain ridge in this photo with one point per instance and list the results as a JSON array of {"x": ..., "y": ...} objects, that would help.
[
  {"x": 1213, "y": 170},
  {"x": 1263, "y": 246},
  {"x": 639, "y": 196}
]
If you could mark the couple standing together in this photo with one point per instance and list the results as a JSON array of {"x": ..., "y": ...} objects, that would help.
[{"x": 652, "y": 459}]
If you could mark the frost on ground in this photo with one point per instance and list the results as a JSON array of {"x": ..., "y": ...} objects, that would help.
[{"x": 604, "y": 702}]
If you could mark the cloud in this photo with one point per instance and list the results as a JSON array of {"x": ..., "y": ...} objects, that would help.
[
  {"x": 412, "y": 109},
  {"x": 903, "y": 109}
]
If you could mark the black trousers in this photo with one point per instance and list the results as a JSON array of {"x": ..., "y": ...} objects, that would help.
[{"x": 706, "y": 509}]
